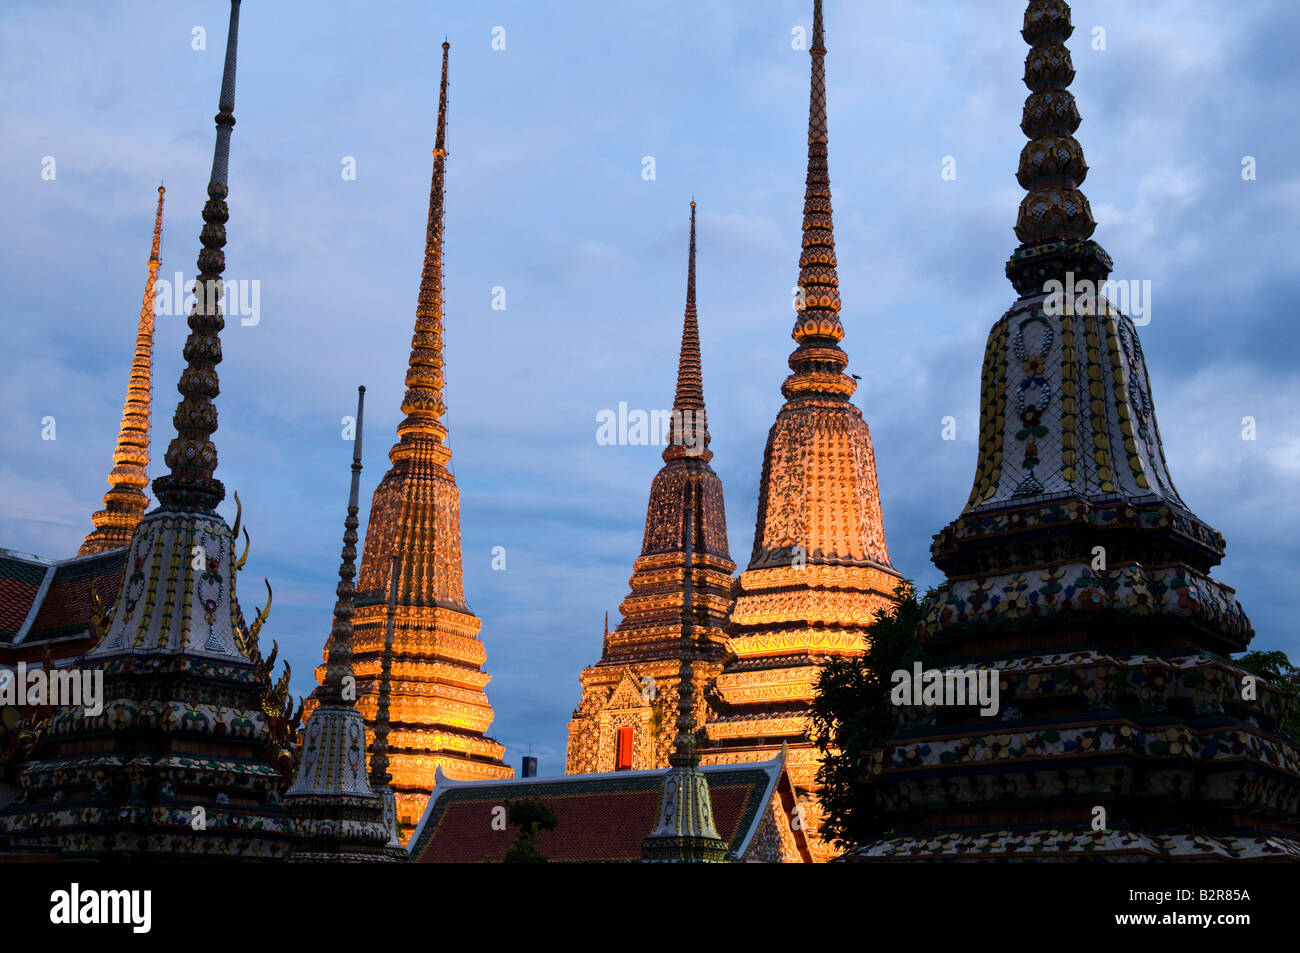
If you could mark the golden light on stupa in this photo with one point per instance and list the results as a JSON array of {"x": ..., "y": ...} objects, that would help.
[{"x": 439, "y": 712}]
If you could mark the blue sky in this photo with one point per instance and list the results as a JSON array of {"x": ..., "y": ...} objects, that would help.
[{"x": 546, "y": 199}]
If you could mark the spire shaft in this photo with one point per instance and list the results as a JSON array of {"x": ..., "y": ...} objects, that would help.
[
  {"x": 125, "y": 501},
  {"x": 818, "y": 362},
  {"x": 688, "y": 434},
  {"x": 379, "y": 775},
  {"x": 685, "y": 754},
  {"x": 192, "y": 456},
  {"x": 338, "y": 663},
  {"x": 423, "y": 403}
]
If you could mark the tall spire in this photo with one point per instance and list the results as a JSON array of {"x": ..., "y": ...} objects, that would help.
[
  {"x": 688, "y": 433},
  {"x": 331, "y": 784},
  {"x": 126, "y": 501},
  {"x": 818, "y": 362},
  {"x": 192, "y": 456},
  {"x": 647, "y": 644},
  {"x": 820, "y": 571},
  {"x": 423, "y": 403},
  {"x": 437, "y": 692},
  {"x": 338, "y": 665},
  {"x": 685, "y": 831}
]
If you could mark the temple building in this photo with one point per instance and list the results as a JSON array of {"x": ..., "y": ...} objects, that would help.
[
  {"x": 820, "y": 570},
  {"x": 440, "y": 711},
  {"x": 625, "y": 719},
  {"x": 1078, "y": 582},
  {"x": 186, "y": 755},
  {"x": 606, "y": 817}
]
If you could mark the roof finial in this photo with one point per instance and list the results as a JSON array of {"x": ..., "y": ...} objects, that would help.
[
  {"x": 338, "y": 663},
  {"x": 423, "y": 403},
  {"x": 688, "y": 433},
  {"x": 1055, "y": 222},
  {"x": 379, "y": 776},
  {"x": 818, "y": 362},
  {"x": 192, "y": 456},
  {"x": 125, "y": 501}
]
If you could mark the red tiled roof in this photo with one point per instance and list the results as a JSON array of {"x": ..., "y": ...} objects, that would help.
[
  {"x": 599, "y": 817},
  {"x": 15, "y": 602},
  {"x": 20, "y": 581},
  {"x": 65, "y": 610}
]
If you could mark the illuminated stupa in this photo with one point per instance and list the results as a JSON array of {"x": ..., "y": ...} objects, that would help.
[
  {"x": 440, "y": 712},
  {"x": 820, "y": 570},
  {"x": 625, "y": 719},
  {"x": 125, "y": 501},
  {"x": 187, "y": 756},
  {"x": 1078, "y": 579}
]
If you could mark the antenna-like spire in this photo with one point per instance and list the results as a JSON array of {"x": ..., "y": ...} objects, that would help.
[
  {"x": 125, "y": 501},
  {"x": 192, "y": 456},
  {"x": 338, "y": 663},
  {"x": 818, "y": 362},
  {"x": 688, "y": 433},
  {"x": 423, "y": 403},
  {"x": 379, "y": 776}
]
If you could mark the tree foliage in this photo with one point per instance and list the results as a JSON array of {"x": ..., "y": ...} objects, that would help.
[
  {"x": 852, "y": 713},
  {"x": 531, "y": 816},
  {"x": 1277, "y": 668}
]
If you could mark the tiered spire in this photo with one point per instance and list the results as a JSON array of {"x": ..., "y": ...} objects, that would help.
[
  {"x": 818, "y": 362},
  {"x": 341, "y": 816},
  {"x": 685, "y": 831},
  {"x": 192, "y": 456},
  {"x": 688, "y": 433},
  {"x": 338, "y": 666},
  {"x": 820, "y": 569},
  {"x": 126, "y": 501},
  {"x": 1066, "y": 408},
  {"x": 646, "y": 646},
  {"x": 438, "y": 705},
  {"x": 423, "y": 403},
  {"x": 1078, "y": 588}
]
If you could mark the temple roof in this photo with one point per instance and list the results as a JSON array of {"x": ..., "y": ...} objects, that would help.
[
  {"x": 600, "y": 817},
  {"x": 48, "y": 599}
]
